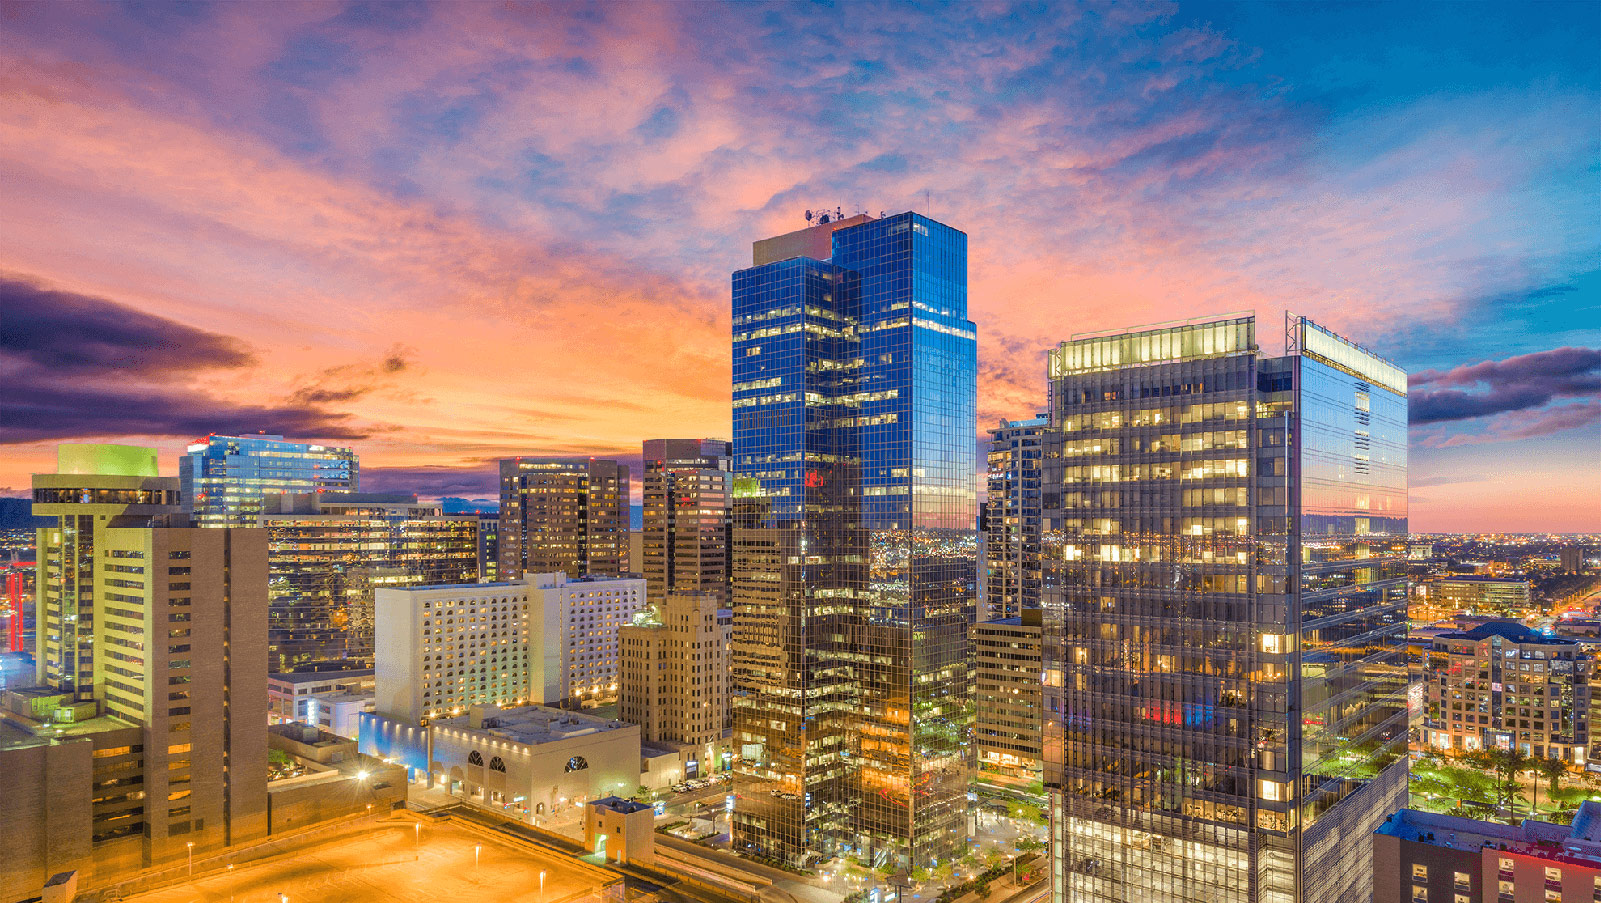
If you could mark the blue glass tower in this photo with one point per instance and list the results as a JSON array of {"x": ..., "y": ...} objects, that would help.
[
  {"x": 222, "y": 479},
  {"x": 854, "y": 541}
]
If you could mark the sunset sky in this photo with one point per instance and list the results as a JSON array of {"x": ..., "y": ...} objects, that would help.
[{"x": 446, "y": 234}]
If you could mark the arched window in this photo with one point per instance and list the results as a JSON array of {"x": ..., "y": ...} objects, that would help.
[
  {"x": 473, "y": 758},
  {"x": 496, "y": 764},
  {"x": 577, "y": 763}
]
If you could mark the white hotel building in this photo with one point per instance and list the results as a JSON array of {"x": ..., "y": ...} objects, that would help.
[{"x": 547, "y": 638}]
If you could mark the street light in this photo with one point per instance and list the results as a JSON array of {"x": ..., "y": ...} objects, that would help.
[
  {"x": 541, "y": 884},
  {"x": 191, "y": 859},
  {"x": 416, "y": 830},
  {"x": 477, "y": 849}
]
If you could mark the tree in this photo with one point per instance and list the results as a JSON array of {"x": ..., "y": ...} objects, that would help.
[
  {"x": 1553, "y": 770},
  {"x": 1509, "y": 763}
]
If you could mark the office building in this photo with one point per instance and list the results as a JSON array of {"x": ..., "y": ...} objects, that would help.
[
  {"x": 1008, "y": 699},
  {"x": 328, "y": 553},
  {"x": 563, "y": 515},
  {"x": 535, "y": 763},
  {"x": 546, "y": 638},
  {"x": 1572, "y": 559},
  {"x": 1225, "y": 614},
  {"x": 145, "y": 738},
  {"x": 1422, "y": 857},
  {"x": 688, "y": 488},
  {"x": 1012, "y": 518},
  {"x": 674, "y": 662},
  {"x": 1504, "y": 686},
  {"x": 1482, "y": 595},
  {"x": 488, "y": 546},
  {"x": 224, "y": 478},
  {"x": 855, "y": 542}
]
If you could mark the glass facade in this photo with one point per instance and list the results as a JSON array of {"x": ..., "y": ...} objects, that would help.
[
  {"x": 328, "y": 554},
  {"x": 563, "y": 515},
  {"x": 855, "y": 549},
  {"x": 224, "y": 478},
  {"x": 1012, "y": 519},
  {"x": 1224, "y": 589}
]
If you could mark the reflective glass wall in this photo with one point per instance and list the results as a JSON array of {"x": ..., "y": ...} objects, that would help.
[
  {"x": 855, "y": 546},
  {"x": 1224, "y": 609}
]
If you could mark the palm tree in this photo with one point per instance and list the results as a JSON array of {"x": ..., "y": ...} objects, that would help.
[
  {"x": 1509, "y": 763},
  {"x": 1552, "y": 769}
]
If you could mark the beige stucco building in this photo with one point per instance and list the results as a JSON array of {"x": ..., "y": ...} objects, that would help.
[{"x": 674, "y": 661}]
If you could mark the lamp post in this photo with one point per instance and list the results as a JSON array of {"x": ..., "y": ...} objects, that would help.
[
  {"x": 191, "y": 859},
  {"x": 477, "y": 849},
  {"x": 416, "y": 830},
  {"x": 541, "y": 885}
]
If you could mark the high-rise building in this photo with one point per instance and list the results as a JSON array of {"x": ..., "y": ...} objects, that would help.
[
  {"x": 95, "y": 488},
  {"x": 688, "y": 488},
  {"x": 1007, "y": 698},
  {"x": 855, "y": 548},
  {"x": 146, "y": 738},
  {"x": 543, "y": 639},
  {"x": 488, "y": 546},
  {"x": 223, "y": 478},
  {"x": 1504, "y": 686},
  {"x": 1225, "y": 614},
  {"x": 1012, "y": 518},
  {"x": 674, "y": 660},
  {"x": 563, "y": 515},
  {"x": 1572, "y": 559},
  {"x": 327, "y": 554}
]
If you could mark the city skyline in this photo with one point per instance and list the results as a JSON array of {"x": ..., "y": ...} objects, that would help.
[{"x": 416, "y": 234}]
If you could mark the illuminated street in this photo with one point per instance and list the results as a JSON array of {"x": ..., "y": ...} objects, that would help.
[{"x": 393, "y": 861}]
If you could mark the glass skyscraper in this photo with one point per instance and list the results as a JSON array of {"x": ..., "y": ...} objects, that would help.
[
  {"x": 223, "y": 478},
  {"x": 1225, "y": 614},
  {"x": 855, "y": 548},
  {"x": 1012, "y": 518}
]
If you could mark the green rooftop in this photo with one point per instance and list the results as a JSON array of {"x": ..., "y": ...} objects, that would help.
[{"x": 106, "y": 460}]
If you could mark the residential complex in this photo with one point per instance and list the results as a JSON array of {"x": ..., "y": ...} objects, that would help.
[
  {"x": 1225, "y": 614},
  {"x": 224, "y": 478},
  {"x": 1484, "y": 595},
  {"x": 1504, "y": 686},
  {"x": 145, "y": 738},
  {"x": 674, "y": 662},
  {"x": 688, "y": 487},
  {"x": 855, "y": 548},
  {"x": 1422, "y": 857},
  {"x": 563, "y": 515},
  {"x": 546, "y": 638},
  {"x": 327, "y": 554},
  {"x": 1009, "y": 717},
  {"x": 1012, "y": 518}
]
